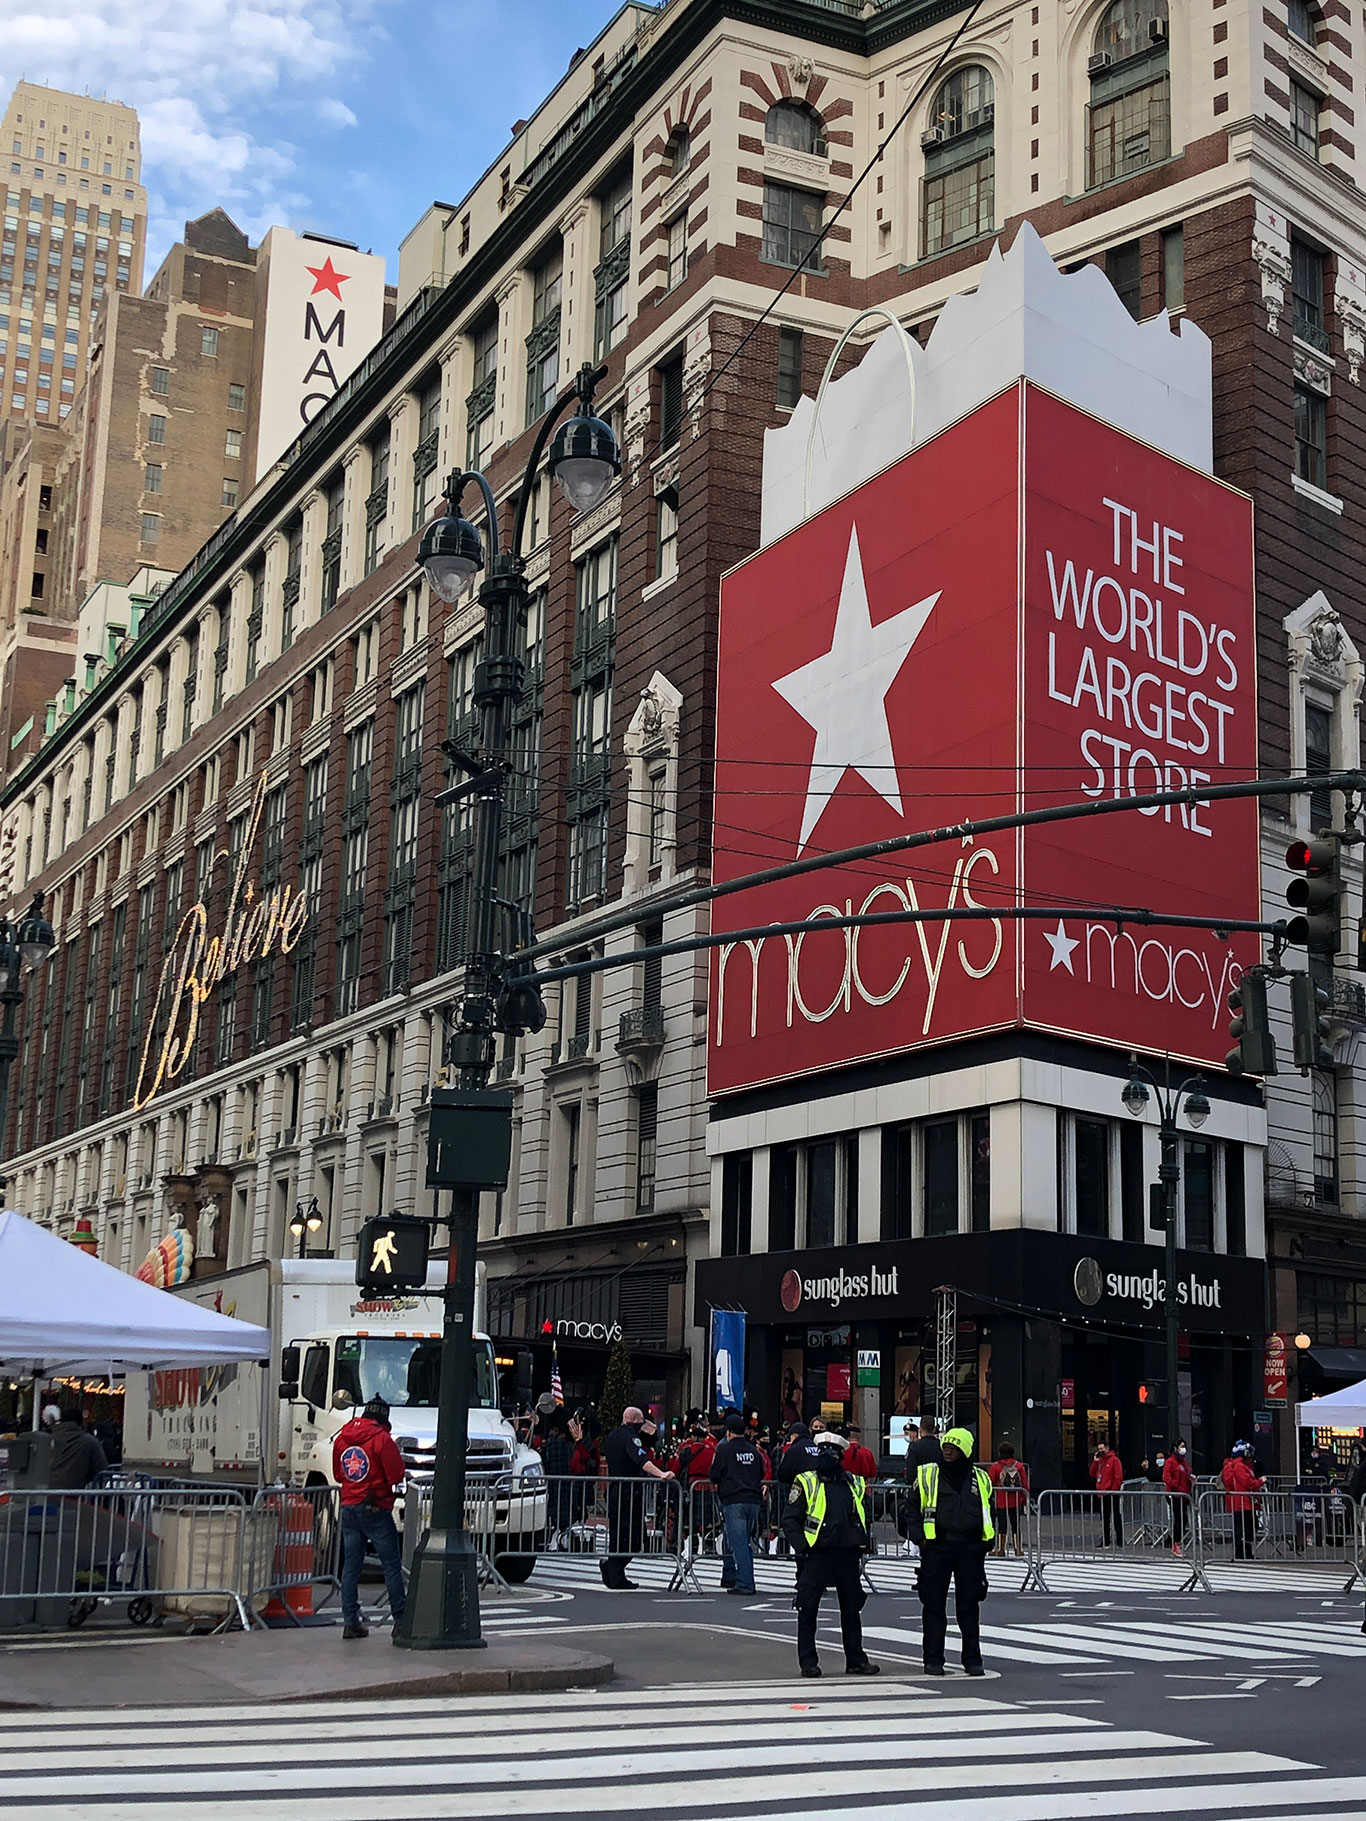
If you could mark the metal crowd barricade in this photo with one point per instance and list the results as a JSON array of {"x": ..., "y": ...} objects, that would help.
[
  {"x": 1299, "y": 1527},
  {"x": 302, "y": 1526},
  {"x": 186, "y": 1550},
  {"x": 1152, "y": 1526}
]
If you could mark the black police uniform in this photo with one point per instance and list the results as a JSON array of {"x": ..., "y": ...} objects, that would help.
[
  {"x": 835, "y": 1561},
  {"x": 625, "y": 1455},
  {"x": 957, "y": 1553}
]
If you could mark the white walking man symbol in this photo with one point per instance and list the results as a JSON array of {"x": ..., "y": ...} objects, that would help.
[{"x": 382, "y": 1254}]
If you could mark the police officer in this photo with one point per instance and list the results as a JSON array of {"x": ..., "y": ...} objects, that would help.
[
  {"x": 825, "y": 1521},
  {"x": 628, "y": 1467},
  {"x": 800, "y": 1454},
  {"x": 950, "y": 1518}
]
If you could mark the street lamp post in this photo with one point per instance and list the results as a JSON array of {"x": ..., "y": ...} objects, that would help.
[
  {"x": 442, "y": 1609},
  {"x": 305, "y": 1220},
  {"x": 1135, "y": 1098},
  {"x": 25, "y": 946}
]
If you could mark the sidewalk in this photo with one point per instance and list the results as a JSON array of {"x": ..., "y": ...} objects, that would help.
[{"x": 308, "y": 1664}]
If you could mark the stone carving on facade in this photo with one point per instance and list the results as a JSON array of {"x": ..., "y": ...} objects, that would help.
[
  {"x": 1352, "y": 322},
  {"x": 650, "y": 747},
  {"x": 206, "y": 1228},
  {"x": 1313, "y": 370},
  {"x": 696, "y": 367},
  {"x": 636, "y": 428},
  {"x": 805, "y": 167},
  {"x": 1274, "y": 265},
  {"x": 800, "y": 70}
]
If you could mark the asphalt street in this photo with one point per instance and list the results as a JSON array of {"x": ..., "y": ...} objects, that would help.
[{"x": 1112, "y": 1700}]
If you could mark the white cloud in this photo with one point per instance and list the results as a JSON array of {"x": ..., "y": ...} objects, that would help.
[{"x": 217, "y": 87}]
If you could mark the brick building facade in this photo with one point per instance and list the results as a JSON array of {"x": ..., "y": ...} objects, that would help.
[{"x": 646, "y": 216}]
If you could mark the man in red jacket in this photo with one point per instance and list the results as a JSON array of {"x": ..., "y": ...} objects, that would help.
[
  {"x": 367, "y": 1466},
  {"x": 1107, "y": 1470},
  {"x": 1176, "y": 1477}
]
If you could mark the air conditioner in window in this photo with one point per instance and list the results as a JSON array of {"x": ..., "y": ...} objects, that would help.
[
  {"x": 1157, "y": 30},
  {"x": 1101, "y": 61},
  {"x": 935, "y": 136}
]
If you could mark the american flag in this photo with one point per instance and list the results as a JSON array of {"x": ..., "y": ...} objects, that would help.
[{"x": 556, "y": 1387}]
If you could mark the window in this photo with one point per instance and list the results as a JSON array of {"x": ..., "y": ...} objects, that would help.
[
  {"x": 332, "y": 542},
  {"x": 1311, "y": 436},
  {"x": 1198, "y": 1195},
  {"x": 1304, "y": 119},
  {"x": 1129, "y": 118},
  {"x": 959, "y": 194},
  {"x": 1173, "y": 269},
  {"x": 228, "y": 497},
  {"x": 670, "y": 402},
  {"x": 151, "y": 482},
  {"x": 406, "y": 801},
  {"x": 427, "y": 451},
  {"x": 1318, "y": 760},
  {"x": 813, "y": 1193},
  {"x": 1301, "y": 21},
  {"x": 612, "y": 276},
  {"x": 795, "y": 126},
  {"x": 590, "y": 766},
  {"x": 737, "y": 1204},
  {"x": 1306, "y": 291},
  {"x": 1092, "y": 1187},
  {"x": 790, "y": 345},
  {"x": 355, "y": 834},
  {"x": 479, "y": 405},
  {"x": 208, "y": 342},
  {"x": 792, "y": 225},
  {"x": 1123, "y": 268},
  {"x": 571, "y": 1162},
  {"x": 232, "y": 445},
  {"x": 237, "y": 398},
  {"x": 543, "y": 343},
  {"x": 161, "y": 381},
  {"x": 156, "y": 429},
  {"x": 647, "y": 1135},
  {"x": 940, "y": 1177},
  {"x": 150, "y": 525},
  {"x": 377, "y": 500},
  {"x": 678, "y": 153},
  {"x": 677, "y": 251},
  {"x": 666, "y": 534}
]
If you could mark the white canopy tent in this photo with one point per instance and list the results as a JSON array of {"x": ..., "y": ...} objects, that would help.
[
  {"x": 1345, "y": 1409},
  {"x": 65, "y": 1313}
]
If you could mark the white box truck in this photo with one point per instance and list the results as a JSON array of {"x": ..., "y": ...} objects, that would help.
[{"x": 332, "y": 1350}]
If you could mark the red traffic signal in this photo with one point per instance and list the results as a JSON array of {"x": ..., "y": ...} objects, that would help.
[{"x": 1316, "y": 893}]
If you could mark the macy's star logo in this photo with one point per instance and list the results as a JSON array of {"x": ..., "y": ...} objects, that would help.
[
  {"x": 843, "y": 695},
  {"x": 326, "y": 277}
]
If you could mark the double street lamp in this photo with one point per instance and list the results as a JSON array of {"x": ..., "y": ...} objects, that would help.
[
  {"x": 1164, "y": 1201},
  {"x": 25, "y": 946},
  {"x": 305, "y": 1221},
  {"x": 442, "y": 1610}
]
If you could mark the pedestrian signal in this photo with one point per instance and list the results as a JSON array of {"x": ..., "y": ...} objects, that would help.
[
  {"x": 1316, "y": 894},
  {"x": 1250, "y": 1027},
  {"x": 391, "y": 1254},
  {"x": 1308, "y": 1015}
]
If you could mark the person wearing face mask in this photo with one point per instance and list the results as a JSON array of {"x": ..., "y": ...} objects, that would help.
[{"x": 1176, "y": 1477}]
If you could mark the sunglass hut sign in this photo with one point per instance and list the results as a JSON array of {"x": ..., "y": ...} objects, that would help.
[{"x": 835, "y": 1288}]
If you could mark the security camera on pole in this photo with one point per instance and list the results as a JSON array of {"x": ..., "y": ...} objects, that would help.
[{"x": 469, "y": 1134}]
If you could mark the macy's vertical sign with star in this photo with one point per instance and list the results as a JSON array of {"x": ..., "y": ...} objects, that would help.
[
  {"x": 1031, "y": 609},
  {"x": 324, "y": 311}
]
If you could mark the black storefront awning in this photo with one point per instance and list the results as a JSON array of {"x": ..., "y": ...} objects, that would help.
[{"x": 1345, "y": 1363}]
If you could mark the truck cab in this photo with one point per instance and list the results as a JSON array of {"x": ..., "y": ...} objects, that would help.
[{"x": 329, "y": 1375}]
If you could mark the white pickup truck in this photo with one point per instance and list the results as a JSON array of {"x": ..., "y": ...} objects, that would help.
[{"x": 332, "y": 1350}]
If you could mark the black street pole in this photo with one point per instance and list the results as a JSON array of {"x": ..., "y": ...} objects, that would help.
[
  {"x": 442, "y": 1609},
  {"x": 12, "y": 997}
]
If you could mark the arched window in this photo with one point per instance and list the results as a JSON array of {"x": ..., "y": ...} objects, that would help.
[
  {"x": 958, "y": 199},
  {"x": 678, "y": 153},
  {"x": 796, "y": 126},
  {"x": 1129, "y": 119}
]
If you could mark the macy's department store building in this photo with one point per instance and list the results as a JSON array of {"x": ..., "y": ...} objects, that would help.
[{"x": 1045, "y": 599}]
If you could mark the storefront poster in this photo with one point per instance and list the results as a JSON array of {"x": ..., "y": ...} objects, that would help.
[
  {"x": 728, "y": 1357},
  {"x": 791, "y": 1398},
  {"x": 1276, "y": 1371},
  {"x": 837, "y": 1388},
  {"x": 1099, "y": 595},
  {"x": 907, "y": 1366}
]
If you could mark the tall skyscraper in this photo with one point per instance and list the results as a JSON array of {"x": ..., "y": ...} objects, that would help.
[{"x": 74, "y": 227}]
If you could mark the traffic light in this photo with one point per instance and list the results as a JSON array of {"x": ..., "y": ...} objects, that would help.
[
  {"x": 1308, "y": 1009},
  {"x": 1255, "y": 1051},
  {"x": 520, "y": 1007},
  {"x": 1317, "y": 894},
  {"x": 391, "y": 1254}
]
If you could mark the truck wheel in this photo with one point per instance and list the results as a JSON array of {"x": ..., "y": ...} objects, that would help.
[{"x": 515, "y": 1568}]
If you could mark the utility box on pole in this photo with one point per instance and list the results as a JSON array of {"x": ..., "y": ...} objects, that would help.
[{"x": 469, "y": 1138}]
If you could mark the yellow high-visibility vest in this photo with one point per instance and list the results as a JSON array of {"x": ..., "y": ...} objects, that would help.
[
  {"x": 813, "y": 1489},
  {"x": 927, "y": 1485}
]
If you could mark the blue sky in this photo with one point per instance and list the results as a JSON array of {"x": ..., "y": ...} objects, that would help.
[{"x": 343, "y": 116}]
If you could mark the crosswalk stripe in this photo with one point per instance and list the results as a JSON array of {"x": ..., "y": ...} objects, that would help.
[
  {"x": 1107, "y": 1805},
  {"x": 890, "y": 1634},
  {"x": 515, "y": 1787}
]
